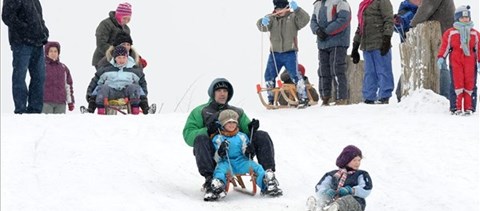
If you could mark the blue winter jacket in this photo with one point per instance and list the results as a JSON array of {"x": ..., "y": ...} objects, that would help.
[
  {"x": 334, "y": 17},
  {"x": 406, "y": 11}
]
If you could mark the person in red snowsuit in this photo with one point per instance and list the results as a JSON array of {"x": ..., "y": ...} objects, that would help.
[{"x": 462, "y": 42}]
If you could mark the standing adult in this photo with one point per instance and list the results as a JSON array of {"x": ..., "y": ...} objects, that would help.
[
  {"x": 442, "y": 11},
  {"x": 202, "y": 124},
  {"x": 27, "y": 34},
  {"x": 331, "y": 23},
  {"x": 373, "y": 36},
  {"x": 109, "y": 28}
]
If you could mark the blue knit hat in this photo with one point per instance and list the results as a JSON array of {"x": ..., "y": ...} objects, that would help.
[
  {"x": 120, "y": 50},
  {"x": 462, "y": 11},
  {"x": 280, "y": 3}
]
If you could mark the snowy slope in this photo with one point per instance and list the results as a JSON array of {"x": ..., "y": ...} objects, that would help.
[{"x": 417, "y": 154}]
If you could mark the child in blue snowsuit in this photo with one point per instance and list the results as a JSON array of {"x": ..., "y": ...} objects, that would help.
[
  {"x": 345, "y": 188},
  {"x": 230, "y": 146}
]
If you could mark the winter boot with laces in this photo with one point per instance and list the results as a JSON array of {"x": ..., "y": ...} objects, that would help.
[{"x": 271, "y": 184}]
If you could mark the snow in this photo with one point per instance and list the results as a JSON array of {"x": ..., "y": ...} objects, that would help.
[{"x": 418, "y": 155}]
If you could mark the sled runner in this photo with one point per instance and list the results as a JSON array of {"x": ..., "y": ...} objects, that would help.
[
  {"x": 241, "y": 187},
  {"x": 288, "y": 92}
]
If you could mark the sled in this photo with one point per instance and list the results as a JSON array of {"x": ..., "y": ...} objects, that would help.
[
  {"x": 121, "y": 105},
  {"x": 239, "y": 184},
  {"x": 287, "y": 91}
]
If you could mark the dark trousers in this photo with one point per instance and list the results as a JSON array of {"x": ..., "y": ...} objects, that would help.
[
  {"x": 31, "y": 58},
  {"x": 204, "y": 151},
  {"x": 132, "y": 91},
  {"x": 332, "y": 67}
]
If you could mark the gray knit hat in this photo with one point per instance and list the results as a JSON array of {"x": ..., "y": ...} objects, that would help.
[{"x": 227, "y": 116}]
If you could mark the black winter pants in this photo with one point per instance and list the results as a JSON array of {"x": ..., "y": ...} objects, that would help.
[{"x": 204, "y": 151}]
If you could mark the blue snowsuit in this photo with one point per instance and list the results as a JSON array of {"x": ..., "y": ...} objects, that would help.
[{"x": 239, "y": 163}]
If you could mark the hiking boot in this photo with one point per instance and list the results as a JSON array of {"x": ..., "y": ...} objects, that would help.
[
  {"x": 325, "y": 101},
  {"x": 371, "y": 102},
  {"x": 271, "y": 184},
  {"x": 341, "y": 102},
  {"x": 303, "y": 103},
  {"x": 383, "y": 100},
  {"x": 312, "y": 204}
]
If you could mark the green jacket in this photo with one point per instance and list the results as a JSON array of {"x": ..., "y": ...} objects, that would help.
[
  {"x": 284, "y": 30},
  {"x": 378, "y": 21},
  {"x": 203, "y": 114}
]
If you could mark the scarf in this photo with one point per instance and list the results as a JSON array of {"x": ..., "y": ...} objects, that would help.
[
  {"x": 341, "y": 176},
  {"x": 464, "y": 30},
  {"x": 363, "y": 6}
]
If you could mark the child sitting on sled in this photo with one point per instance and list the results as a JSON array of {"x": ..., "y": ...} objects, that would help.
[
  {"x": 233, "y": 155},
  {"x": 285, "y": 77},
  {"x": 345, "y": 188}
]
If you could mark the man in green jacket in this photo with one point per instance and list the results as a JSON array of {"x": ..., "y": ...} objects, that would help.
[{"x": 202, "y": 124}]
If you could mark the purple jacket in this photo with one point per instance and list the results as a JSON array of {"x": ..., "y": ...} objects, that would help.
[{"x": 58, "y": 81}]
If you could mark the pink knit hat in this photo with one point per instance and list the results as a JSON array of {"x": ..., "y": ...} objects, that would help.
[{"x": 124, "y": 9}]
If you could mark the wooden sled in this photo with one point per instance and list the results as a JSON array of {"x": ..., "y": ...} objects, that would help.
[
  {"x": 287, "y": 91},
  {"x": 121, "y": 105},
  {"x": 239, "y": 185}
]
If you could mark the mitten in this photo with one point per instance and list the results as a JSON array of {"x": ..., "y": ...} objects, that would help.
[
  {"x": 250, "y": 151},
  {"x": 71, "y": 106},
  {"x": 329, "y": 194},
  {"x": 441, "y": 63},
  {"x": 386, "y": 45},
  {"x": 321, "y": 34},
  {"x": 293, "y": 5},
  {"x": 355, "y": 55},
  {"x": 223, "y": 148},
  {"x": 343, "y": 191},
  {"x": 143, "y": 62},
  {"x": 212, "y": 127},
  {"x": 266, "y": 20},
  {"x": 253, "y": 125}
]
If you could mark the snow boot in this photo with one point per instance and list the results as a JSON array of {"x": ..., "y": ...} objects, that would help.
[
  {"x": 135, "y": 110},
  {"x": 214, "y": 190},
  {"x": 271, "y": 184},
  {"x": 101, "y": 111},
  {"x": 332, "y": 207},
  {"x": 312, "y": 204},
  {"x": 468, "y": 112},
  {"x": 325, "y": 101},
  {"x": 303, "y": 103}
]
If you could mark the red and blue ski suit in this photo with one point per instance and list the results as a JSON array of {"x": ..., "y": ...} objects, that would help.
[{"x": 463, "y": 67}]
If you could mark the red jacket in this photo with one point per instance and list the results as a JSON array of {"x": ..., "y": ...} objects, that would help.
[{"x": 451, "y": 41}]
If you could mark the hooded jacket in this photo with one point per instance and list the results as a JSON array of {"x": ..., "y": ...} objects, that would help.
[{"x": 206, "y": 113}]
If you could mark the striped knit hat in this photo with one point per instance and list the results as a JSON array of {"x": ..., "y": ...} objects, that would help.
[{"x": 124, "y": 9}]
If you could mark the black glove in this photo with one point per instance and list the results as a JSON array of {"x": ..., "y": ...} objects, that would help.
[
  {"x": 321, "y": 34},
  {"x": 386, "y": 45},
  {"x": 144, "y": 104},
  {"x": 212, "y": 127},
  {"x": 355, "y": 55},
  {"x": 250, "y": 151},
  {"x": 253, "y": 125},
  {"x": 223, "y": 148}
]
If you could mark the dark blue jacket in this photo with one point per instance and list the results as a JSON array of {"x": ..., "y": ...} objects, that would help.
[
  {"x": 25, "y": 22},
  {"x": 406, "y": 11}
]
